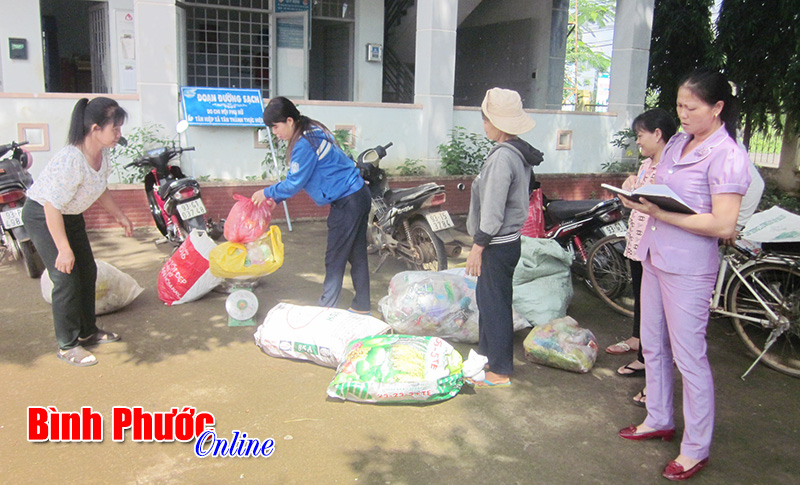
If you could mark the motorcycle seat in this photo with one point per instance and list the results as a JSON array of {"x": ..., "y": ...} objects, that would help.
[
  {"x": 567, "y": 209},
  {"x": 405, "y": 195}
]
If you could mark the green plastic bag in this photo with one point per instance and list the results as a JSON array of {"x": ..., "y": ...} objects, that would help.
[{"x": 398, "y": 368}]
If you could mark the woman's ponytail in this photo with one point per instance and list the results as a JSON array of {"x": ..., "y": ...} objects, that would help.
[{"x": 77, "y": 129}]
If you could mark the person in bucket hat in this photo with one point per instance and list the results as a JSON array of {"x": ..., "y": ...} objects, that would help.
[{"x": 497, "y": 211}]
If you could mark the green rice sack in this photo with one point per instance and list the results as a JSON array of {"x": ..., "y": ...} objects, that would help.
[{"x": 398, "y": 368}]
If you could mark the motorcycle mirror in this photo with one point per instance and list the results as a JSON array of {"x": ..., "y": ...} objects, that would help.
[
  {"x": 371, "y": 156},
  {"x": 461, "y": 186},
  {"x": 182, "y": 126},
  {"x": 26, "y": 159},
  {"x": 123, "y": 142}
]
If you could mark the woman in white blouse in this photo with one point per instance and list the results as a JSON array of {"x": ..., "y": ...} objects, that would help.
[{"x": 72, "y": 181}]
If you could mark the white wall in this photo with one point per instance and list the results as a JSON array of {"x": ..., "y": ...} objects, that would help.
[
  {"x": 21, "y": 20},
  {"x": 55, "y": 111},
  {"x": 591, "y": 137}
]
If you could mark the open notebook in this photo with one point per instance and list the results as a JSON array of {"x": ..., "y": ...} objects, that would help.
[{"x": 658, "y": 194}]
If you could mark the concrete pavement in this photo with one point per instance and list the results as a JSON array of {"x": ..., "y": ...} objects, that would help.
[{"x": 551, "y": 426}]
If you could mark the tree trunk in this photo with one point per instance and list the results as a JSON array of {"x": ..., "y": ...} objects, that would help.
[{"x": 787, "y": 173}]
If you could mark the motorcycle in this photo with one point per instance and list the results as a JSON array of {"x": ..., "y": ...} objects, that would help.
[
  {"x": 408, "y": 224},
  {"x": 580, "y": 226},
  {"x": 14, "y": 182},
  {"x": 174, "y": 198}
]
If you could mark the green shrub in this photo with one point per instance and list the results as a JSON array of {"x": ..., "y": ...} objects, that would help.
[
  {"x": 139, "y": 139},
  {"x": 773, "y": 196},
  {"x": 275, "y": 169},
  {"x": 465, "y": 153},
  {"x": 625, "y": 140},
  {"x": 411, "y": 167}
]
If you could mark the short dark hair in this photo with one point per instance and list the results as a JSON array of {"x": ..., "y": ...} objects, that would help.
[
  {"x": 99, "y": 111},
  {"x": 654, "y": 119}
]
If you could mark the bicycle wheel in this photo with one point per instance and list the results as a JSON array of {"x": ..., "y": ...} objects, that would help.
[
  {"x": 779, "y": 287},
  {"x": 610, "y": 274}
]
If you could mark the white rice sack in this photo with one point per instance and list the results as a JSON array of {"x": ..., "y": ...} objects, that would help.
[
  {"x": 313, "y": 333},
  {"x": 114, "y": 289}
]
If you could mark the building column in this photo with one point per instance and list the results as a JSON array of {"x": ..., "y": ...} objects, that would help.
[
  {"x": 558, "y": 54},
  {"x": 157, "y": 61},
  {"x": 367, "y": 75},
  {"x": 630, "y": 58},
  {"x": 434, "y": 74}
]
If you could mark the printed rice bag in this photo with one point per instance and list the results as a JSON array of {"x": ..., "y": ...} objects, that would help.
[
  {"x": 561, "y": 343},
  {"x": 398, "y": 368},
  {"x": 186, "y": 275},
  {"x": 313, "y": 333},
  {"x": 114, "y": 289},
  {"x": 436, "y": 304}
]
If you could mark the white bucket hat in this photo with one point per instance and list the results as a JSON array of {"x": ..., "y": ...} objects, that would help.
[{"x": 503, "y": 108}]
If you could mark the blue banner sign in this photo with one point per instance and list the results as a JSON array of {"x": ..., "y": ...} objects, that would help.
[{"x": 222, "y": 106}]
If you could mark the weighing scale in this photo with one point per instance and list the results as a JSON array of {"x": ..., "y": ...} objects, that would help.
[{"x": 241, "y": 306}]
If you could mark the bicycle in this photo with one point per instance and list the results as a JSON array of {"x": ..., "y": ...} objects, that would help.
[
  {"x": 610, "y": 274},
  {"x": 759, "y": 290}
]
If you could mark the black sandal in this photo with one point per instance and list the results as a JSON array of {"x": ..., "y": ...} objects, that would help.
[
  {"x": 633, "y": 372},
  {"x": 640, "y": 399},
  {"x": 99, "y": 337}
]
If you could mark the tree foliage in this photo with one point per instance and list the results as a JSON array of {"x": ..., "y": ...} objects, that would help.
[
  {"x": 761, "y": 44},
  {"x": 580, "y": 56},
  {"x": 682, "y": 40}
]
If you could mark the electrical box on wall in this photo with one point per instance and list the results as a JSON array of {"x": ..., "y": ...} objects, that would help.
[
  {"x": 374, "y": 52},
  {"x": 18, "y": 48}
]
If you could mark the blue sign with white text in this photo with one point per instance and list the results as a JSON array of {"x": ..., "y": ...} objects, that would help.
[{"x": 222, "y": 106}]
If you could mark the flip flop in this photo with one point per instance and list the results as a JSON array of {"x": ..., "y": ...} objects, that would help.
[
  {"x": 77, "y": 356},
  {"x": 620, "y": 348},
  {"x": 488, "y": 384},
  {"x": 633, "y": 372},
  {"x": 99, "y": 337},
  {"x": 640, "y": 399}
]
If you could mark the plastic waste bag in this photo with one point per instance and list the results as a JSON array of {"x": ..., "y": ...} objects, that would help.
[
  {"x": 436, "y": 304},
  {"x": 246, "y": 221},
  {"x": 398, "y": 368},
  {"x": 542, "y": 280},
  {"x": 313, "y": 333},
  {"x": 114, "y": 289},
  {"x": 257, "y": 258},
  {"x": 562, "y": 344}
]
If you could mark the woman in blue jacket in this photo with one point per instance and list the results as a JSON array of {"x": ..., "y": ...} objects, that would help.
[{"x": 328, "y": 176}]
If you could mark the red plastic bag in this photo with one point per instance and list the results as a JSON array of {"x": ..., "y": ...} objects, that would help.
[
  {"x": 246, "y": 221},
  {"x": 534, "y": 225}
]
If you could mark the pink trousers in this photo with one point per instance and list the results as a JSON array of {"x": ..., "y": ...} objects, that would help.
[{"x": 674, "y": 317}]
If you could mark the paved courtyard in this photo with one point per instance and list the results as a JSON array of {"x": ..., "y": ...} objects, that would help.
[{"x": 552, "y": 426}]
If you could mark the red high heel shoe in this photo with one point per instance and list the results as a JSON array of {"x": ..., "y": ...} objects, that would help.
[
  {"x": 630, "y": 433},
  {"x": 674, "y": 471}
]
